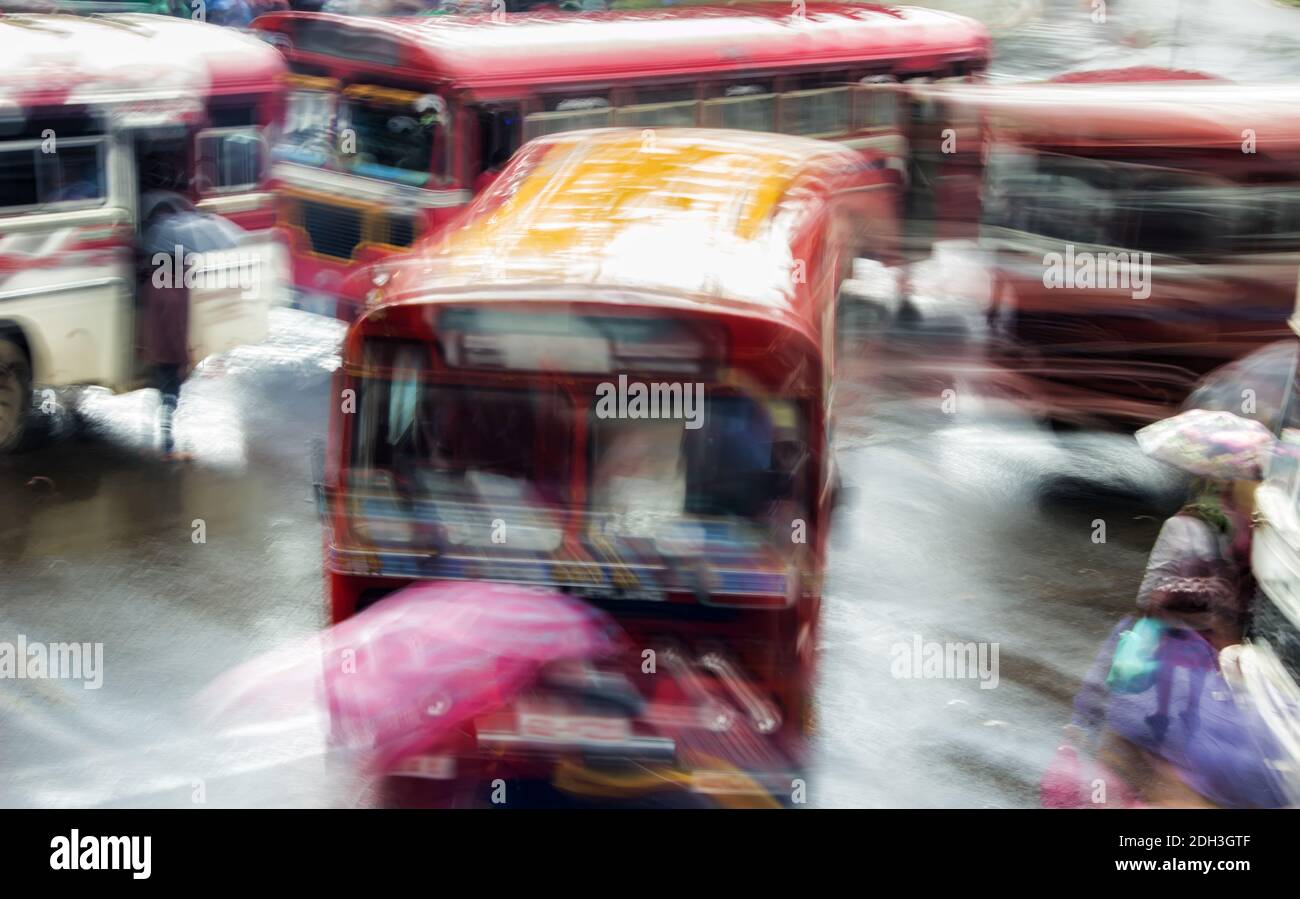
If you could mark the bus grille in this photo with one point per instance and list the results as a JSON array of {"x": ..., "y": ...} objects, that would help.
[
  {"x": 400, "y": 231},
  {"x": 334, "y": 230}
]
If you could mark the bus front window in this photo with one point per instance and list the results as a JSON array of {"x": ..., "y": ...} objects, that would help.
[
  {"x": 433, "y": 441},
  {"x": 439, "y": 463},
  {"x": 398, "y": 142},
  {"x": 308, "y": 135},
  {"x": 744, "y": 465}
]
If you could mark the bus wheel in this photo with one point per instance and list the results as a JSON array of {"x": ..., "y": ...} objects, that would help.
[{"x": 15, "y": 393}]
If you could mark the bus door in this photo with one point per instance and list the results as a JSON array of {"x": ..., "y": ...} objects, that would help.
[{"x": 231, "y": 276}]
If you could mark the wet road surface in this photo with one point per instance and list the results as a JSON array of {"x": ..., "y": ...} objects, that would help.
[{"x": 959, "y": 525}]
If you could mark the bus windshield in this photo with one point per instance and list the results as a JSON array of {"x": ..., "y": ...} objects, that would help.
[
  {"x": 308, "y": 134},
  {"x": 393, "y": 142},
  {"x": 441, "y": 462}
]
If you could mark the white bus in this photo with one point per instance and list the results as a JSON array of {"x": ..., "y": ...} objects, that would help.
[{"x": 95, "y": 114}]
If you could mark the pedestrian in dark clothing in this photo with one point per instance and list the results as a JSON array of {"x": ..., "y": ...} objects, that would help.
[
  {"x": 174, "y": 237},
  {"x": 163, "y": 324}
]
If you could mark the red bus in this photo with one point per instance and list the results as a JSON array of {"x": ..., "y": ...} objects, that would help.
[
  {"x": 95, "y": 113},
  {"x": 395, "y": 123},
  {"x": 475, "y": 437},
  {"x": 1144, "y": 228}
]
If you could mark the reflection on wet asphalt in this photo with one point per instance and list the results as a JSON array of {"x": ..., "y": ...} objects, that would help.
[
  {"x": 969, "y": 526},
  {"x": 975, "y": 526},
  {"x": 98, "y": 545}
]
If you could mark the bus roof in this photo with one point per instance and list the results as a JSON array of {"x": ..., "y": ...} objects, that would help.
[
  {"x": 1177, "y": 113},
  {"x": 57, "y": 59},
  {"x": 558, "y": 48},
  {"x": 690, "y": 217}
]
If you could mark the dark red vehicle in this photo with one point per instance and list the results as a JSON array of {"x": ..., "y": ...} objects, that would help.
[
  {"x": 488, "y": 429},
  {"x": 395, "y": 124},
  {"x": 1144, "y": 228}
]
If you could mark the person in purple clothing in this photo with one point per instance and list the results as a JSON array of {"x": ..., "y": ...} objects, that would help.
[{"x": 1156, "y": 708}]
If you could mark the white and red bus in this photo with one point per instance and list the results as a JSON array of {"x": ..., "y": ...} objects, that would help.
[
  {"x": 394, "y": 124},
  {"x": 95, "y": 113}
]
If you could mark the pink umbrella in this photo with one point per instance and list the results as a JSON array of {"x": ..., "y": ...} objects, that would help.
[{"x": 404, "y": 674}]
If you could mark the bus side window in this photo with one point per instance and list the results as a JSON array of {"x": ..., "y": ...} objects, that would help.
[
  {"x": 230, "y": 158},
  {"x": 876, "y": 103},
  {"x": 664, "y": 93},
  {"x": 808, "y": 81},
  {"x": 749, "y": 105},
  {"x": 571, "y": 112},
  {"x": 660, "y": 106},
  {"x": 816, "y": 104},
  {"x": 31, "y": 178},
  {"x": 499, "y": 133}
]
